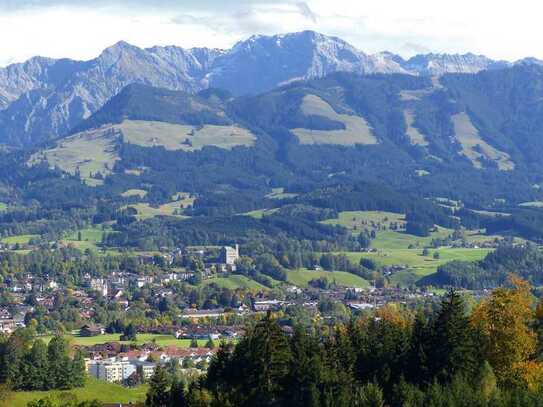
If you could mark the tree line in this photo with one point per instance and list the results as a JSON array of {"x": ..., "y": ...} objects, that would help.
[
  {"x": 487, "y": 357},
  {"x": 28, "y": 364}
]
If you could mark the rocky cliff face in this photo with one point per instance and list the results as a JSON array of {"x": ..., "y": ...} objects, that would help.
[
  {"x": 45, "y": 98},
  {"x": 439, "y": 64}
]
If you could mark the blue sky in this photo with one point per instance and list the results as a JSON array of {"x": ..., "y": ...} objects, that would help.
[{"x": 80, "y": 29}]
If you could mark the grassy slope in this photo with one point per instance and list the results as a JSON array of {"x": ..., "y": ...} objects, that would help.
[
  {"x": 392, "y": 246},
  {"x": 357, "y": 130},
  {"x": 172, "y": 136},
  {"x": 235, "y": 281},
  {"x": 474, "y": 147},
  {"x": 94, "y": 389},
  {"x": 302, "y": 277},
  {"x": 90, "y": 152}
]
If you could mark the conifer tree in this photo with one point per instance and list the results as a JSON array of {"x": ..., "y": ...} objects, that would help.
[
  {"x": 158, "y": 395},
  {"x": 302, "y": 384},
  {"x": 453, "y": 348},
  {"x": 78, "y": 375},
  {"x": 35, "y": 367},
  {"x": 178, "y": 397}
]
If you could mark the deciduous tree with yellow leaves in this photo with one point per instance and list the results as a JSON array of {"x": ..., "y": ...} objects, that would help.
[{"x": 504, "y": 322}]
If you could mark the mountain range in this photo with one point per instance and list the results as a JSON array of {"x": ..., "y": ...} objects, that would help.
[{"x": 43, "y": 98}]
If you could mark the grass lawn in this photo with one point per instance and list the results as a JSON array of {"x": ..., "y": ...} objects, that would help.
[
  {"x": 235, "y": 281},
  {"x": 302, "y": 277},
  {"x": 3, "y": 207},
  {"x": 94, "y": 389},
  {"x": 161, "y": 340},
  {"x": 21, "y": 239}
]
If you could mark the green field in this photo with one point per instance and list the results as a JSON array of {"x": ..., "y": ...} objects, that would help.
[
  {"x": 20, "y": 239},
  {"x": 3, "y": 207},
  {"x": 395, "y": 247},
  {"x": 235, "y": 281},
  {"x": 302, "y": 277},
  {"x": 93, "y": 390},
  {"x": 90, "y": 239},
  {"x": 160, "y": 340},
  {"x": 416, "y": 264},
  {"x": 146, "y": 211},
  {"x": 357, "y": 221}
]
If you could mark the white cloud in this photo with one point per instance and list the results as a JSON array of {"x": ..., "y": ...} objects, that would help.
[{"x": 81, "y": 29}]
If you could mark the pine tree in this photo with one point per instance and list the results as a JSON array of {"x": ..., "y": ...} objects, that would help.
[
  {"x": 453, "y": 348},
  {"x": 158, "y": 395}
]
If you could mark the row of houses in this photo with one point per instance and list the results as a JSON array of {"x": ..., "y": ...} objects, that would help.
[{"x": 120, "y": 368}]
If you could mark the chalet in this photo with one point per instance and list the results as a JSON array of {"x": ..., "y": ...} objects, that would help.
[{"x": 91, "y": 330}]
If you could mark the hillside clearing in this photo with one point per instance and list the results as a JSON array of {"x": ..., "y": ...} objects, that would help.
[
  {"x": 415, "y": 136},
  {"x": 357, "y": 221},
  {"x": 357, "y": 129},
  {"x": 184, "y": 137},
  {"x": 141, "y": 193},
  {"x": 88, "y": 153},
  {"x": 475, "y": 148}
]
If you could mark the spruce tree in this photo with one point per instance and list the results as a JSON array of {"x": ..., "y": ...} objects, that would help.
[
  {"x": 158, "y": 395},
  {"x": 453, "y": 346}
]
